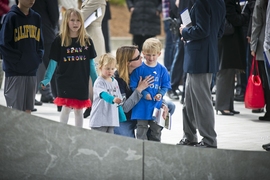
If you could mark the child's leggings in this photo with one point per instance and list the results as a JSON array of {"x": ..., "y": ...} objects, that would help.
[{"x": 64, "y": 115}]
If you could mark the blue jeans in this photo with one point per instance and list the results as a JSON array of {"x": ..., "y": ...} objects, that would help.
[
  {"x": 169, "y": 46},
  {"x": 171, "y": 106},
  {"x": 126, "y": 129}
]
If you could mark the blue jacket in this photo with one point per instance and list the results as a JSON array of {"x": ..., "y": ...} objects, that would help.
[
  {"x": 201, "y": 47},
  {"x": 21, "y": 43}
]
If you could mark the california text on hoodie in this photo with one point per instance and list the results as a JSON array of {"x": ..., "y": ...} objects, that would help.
[{"x": 21, "y": 43}]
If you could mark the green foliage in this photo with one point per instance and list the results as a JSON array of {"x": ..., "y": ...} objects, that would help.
[{"x": 117, "y": 2}]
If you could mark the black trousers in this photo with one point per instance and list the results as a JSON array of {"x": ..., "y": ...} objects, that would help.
[
  {"x": 52, "y": 88},
  {"x": 139, "y": 40},
  {"x": 266, "y": 90},
  {"x": 177, "y": 71}
]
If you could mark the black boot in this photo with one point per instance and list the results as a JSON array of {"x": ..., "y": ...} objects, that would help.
[{"x": 87, "y": 112}]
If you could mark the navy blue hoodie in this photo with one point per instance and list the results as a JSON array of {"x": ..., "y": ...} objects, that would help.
[{"x": 21, "y": 43}]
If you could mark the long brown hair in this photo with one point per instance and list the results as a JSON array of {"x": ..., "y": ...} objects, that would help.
[
  {"x": 83, "y": 38},
  {"x": 123, "y": 55}
]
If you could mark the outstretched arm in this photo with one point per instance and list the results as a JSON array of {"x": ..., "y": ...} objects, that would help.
[{"x": 49, "y": 73}]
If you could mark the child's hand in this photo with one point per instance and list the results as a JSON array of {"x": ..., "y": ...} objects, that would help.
[
  {"x": 117, "y": 100},
  {"x": 148, "y": 97},
  {"x": 158, "y": 97},
  {"x": 42, "y": 86},
  {"x": 44, "y": 83}
]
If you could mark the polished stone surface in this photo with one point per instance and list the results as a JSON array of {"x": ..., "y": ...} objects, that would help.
[
  {"x": 32, "y": 147},
  {"x": 183, "y": 162},
  {"x": 36, "y": 148}
]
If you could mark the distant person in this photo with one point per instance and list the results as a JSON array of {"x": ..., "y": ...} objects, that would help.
[
  {"x": 49, "y": 13},
  {"x": 4, "y": 8},
  {"x": 232, "y": 57},
  {"x": 95, "y": 31},
  {"x": 145, "y": 20},
  {"x": 200, "y": 62},
  {"x": 22, "y": 54},
  {"x": 107, "y": 111},
  {"x": 72, "y": 52},
  {"x": 170, "y": 38},
  {"x": 153, "y": 95},
  {"x": 266, "y": 46},
  {"x": 106, "y": 27},
  {"x": 256, "y": 47},
  {"x": 177, "y": 73}
]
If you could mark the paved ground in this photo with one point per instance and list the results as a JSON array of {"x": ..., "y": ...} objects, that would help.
[{"x": 239, "y": 132}]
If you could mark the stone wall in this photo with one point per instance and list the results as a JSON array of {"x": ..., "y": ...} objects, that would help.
[{"x": 32, "y": 147}]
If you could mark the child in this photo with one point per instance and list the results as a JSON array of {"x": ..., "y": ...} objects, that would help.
[
  {"x": 106, "y": 111},
  {"x": 72, "y": 52},
  {"x": 152, "y": 96},
  {"x": 21, "y": 45}
]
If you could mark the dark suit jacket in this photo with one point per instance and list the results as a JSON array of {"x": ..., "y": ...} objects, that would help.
[{"x": 201, "y": 47}]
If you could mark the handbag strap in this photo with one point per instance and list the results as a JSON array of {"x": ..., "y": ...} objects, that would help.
[{"x": 254, "y": 67}]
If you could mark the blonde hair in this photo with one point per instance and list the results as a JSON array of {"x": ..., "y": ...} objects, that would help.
[
  {"x": 66, "y": 40},
  {"x": 106, "y": 59},
  {"x": 152, "y": 45},
  {"x": 123, "y": 55}
]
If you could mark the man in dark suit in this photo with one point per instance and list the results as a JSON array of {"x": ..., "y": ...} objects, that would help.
[
  {"x": 49, "y": 13},
  {"x": 200, "y": 62}
]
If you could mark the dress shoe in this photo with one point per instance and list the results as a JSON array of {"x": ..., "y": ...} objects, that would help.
[
  {"x": 239, "y": 97},
  {"x": 235, "y": 112},
  {"x": 204, "y": 145},
  {"x": 257, "y": 110},
  {"x": 225, "y": 112},
  {"x": 173, "y": 95},
  {"x": 87, "y": 112},
  {"x": 213, "y": 102},
  {"x": 49, "y": 99},
  {"x": 38, "y": 103},
  {"x": 33, "y": 110},
  {"x": 264, "y": 118},
  {"x": 266, "y": 147},
  {"x": 182, "y": 100},
  {"x": 186, "y": 142}
]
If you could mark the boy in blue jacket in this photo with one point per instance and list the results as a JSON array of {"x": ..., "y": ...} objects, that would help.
[{"x": 21, "y": 45}]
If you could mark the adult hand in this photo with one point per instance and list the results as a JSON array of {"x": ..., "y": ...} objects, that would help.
[
  {"x": 143, "y": 84},
  {"x": 248, "y": 39},
  {"x": 181, "y": 28},
  {"x": 253, "y": 53},
  {"x": 177, "y": 3}
]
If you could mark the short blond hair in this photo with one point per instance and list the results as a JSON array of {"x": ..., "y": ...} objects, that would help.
[
  {"x": 106, "y": 59},
  {"x": 152, "y": 45}
]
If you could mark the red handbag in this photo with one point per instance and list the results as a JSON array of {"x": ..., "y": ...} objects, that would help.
[{"x": 254, "y": 97}]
